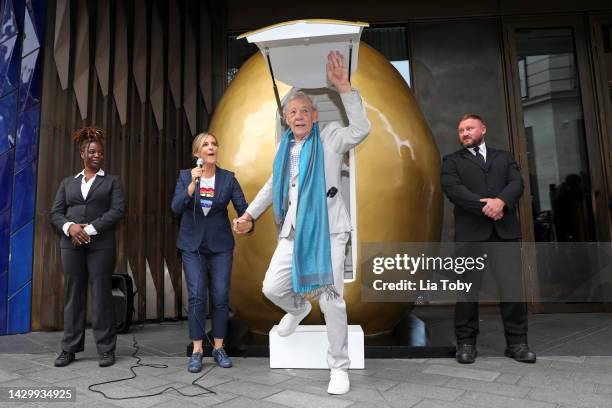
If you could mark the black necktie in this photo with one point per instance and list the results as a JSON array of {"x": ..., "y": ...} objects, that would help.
[{"x": 479, "y": 155}]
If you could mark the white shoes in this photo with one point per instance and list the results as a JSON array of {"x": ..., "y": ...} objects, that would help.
[
  {"x": 338, "y": 382},
  {"x": 290, "y": 322}
]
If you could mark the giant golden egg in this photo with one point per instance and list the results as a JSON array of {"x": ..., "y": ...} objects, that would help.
[{"x": 397, "y": 181}]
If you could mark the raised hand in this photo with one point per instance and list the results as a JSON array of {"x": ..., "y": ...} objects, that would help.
[{"x": 337, "y": 71}]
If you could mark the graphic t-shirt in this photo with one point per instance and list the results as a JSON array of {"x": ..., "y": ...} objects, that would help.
[{"x": 207, "y": 193}]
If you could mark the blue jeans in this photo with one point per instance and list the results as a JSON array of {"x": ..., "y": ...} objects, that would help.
[{"x": 201, "y": 267}]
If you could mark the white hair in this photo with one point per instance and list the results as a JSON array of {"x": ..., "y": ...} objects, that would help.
[{"x": 296, "y": 94}]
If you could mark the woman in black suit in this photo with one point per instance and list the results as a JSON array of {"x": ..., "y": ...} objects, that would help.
[
  {"x": 86, "y": 209},
  {"x": 206, "y": 242}
]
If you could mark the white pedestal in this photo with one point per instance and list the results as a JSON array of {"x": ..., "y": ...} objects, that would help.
[{"x": 307, "y": 348}]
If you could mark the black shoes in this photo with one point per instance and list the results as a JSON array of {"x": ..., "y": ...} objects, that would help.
[
  {"x": 521, "y": 353},
  {"x": 64, "y": 359},
  {"x": 107, "y": 359},
  {"x": 466, "y": 353}
]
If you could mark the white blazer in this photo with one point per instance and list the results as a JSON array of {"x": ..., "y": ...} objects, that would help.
[{"x": 336, "y": 140}]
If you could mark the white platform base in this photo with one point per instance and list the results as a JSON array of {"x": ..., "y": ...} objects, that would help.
[{"x": 307, "y": 348}]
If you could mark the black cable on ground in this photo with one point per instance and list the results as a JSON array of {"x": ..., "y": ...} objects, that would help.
[{"x": 153, "y": 365}]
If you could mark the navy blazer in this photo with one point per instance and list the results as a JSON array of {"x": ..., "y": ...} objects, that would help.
[
  {"x": 213, "y": 230},
  {"x": 465, "y": 180},
  {"x": 103, "y": 208}
]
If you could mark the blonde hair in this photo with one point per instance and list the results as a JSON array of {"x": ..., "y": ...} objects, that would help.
[{"x": 199, "y": 141}]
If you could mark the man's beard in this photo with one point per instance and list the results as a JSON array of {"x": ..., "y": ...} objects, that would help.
[{"x": 473, "y": 143}]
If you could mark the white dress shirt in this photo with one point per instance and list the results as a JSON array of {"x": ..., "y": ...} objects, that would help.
[
  {"x": 85, "y": 187},
  {"x": 482, "y": 149}
]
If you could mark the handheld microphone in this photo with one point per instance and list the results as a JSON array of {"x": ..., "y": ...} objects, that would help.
[{"x": 199, "y": 164}]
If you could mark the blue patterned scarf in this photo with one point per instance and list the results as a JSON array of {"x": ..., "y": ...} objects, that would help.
[{"x": 311, "y": 268}]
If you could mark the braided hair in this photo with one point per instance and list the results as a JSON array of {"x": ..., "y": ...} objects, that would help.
[{"x": 88, "y": 134}]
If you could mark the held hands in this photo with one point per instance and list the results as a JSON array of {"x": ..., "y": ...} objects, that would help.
[
  {"x": 494, "y": 208},
  {"x": 243, "y": 224},
  {"x": 78, "y": 235},
  {"x": 337, "y": 72}
]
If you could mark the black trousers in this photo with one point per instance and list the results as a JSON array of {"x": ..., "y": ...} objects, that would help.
[
  {"x": 510, "y": 285},
  {"x": 96, "y": 266}
]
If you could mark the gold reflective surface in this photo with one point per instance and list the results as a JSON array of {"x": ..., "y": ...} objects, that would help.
[{"x": 397, "y": 181}]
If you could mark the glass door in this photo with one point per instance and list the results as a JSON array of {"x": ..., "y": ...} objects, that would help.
[{"x": 557, "y": 139}]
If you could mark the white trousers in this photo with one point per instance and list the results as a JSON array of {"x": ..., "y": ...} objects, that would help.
[{"x": 278, "y": 287}]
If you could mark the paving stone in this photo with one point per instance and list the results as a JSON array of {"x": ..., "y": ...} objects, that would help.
[
  {"x": 247, "y": 388},
  {"x": 303, "y": 400},
  {"x": 24, "y": 382},
  {"x": 603, "y": 389},
  {"x": 260, "y": 376},
  {"x": 580, "y": 367},
  {"x": 145, "y": 382},
  {"x": 369, "y": 405},
  {"x": 358, "y": 392},
  {"x": 321, "y": 375},
  {"x": 439, "y": 404},
  {"x": 8, "y": 376},
  {"x": 597, "y": 377},
  {"x": 488, "y": 387},
  {"x": 308, "y": 385},
  {"x": 508, "y": 378},
  {"x": 604, "y": 360},
  {"x": 380, "y": 384},
  {"x": 210, "y": 378},
  {"x": 183, "y": 403},
  {"x": 556, "y": 382},
  {"x": 498, "y": 401},
  {"x": 198, "y": 398},
  {"x": 398, "y": 400},
  {"x": 52, "y": 375},
  {"x": 568, "y": 397},
  {"x": 424, "y": 391},
  {"x": 399, "y": 364},
  {"x": 13, "y": 363},
  {"x": 461, "y": 372},
  {"x": 567, "y": 359},
  {"x": 412, "y": 377},
  {"x": 117, "y": 391},
  {"x": 243, "y": 402}
]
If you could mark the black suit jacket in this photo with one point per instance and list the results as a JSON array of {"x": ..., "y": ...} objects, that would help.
[
  {"x": 465, "y": 180},
  {"x": 103, "y": 208}
]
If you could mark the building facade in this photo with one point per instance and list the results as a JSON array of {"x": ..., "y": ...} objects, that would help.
[{"x": 152, "y": 72}]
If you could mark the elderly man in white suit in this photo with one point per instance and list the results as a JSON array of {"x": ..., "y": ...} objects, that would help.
[{"x": 280, "y": 280}]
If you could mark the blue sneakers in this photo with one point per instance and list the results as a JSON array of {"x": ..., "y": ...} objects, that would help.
[
  {"x": 194, "y": 364},
  {"x": 221, "y": 358}
]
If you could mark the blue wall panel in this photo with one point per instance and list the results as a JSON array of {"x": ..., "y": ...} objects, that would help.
[
  {"x": 24, "y": 197},
  {"x": 8, "y": 121},
  {"x": 26, "y": 143},
  {"x": 7, "y": 161},
  {"x": 19, "y": 310},
  {"x": 21, "y": 35},
  {"x": 9, "y": 65},
  {"x": 20, "y": 267},
  {"x": 3, "y": 303},
  {"x": 5, "y": 230}
]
